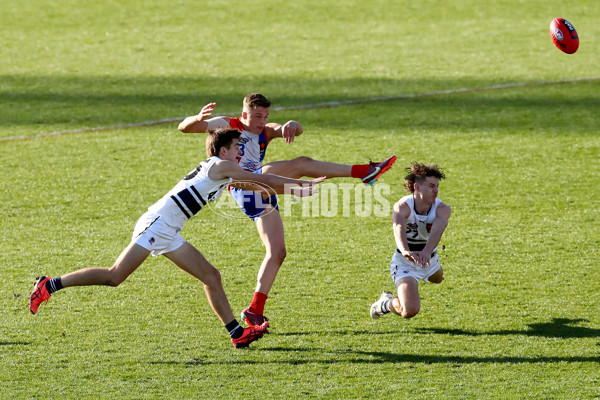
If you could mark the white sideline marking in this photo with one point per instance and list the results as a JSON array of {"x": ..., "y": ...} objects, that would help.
[{"x": 311, "y": 106}]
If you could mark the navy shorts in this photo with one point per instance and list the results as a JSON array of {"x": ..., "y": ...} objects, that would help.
[{"x": 253, "y": 203}]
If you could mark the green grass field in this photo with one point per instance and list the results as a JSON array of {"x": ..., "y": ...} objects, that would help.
[{"x": 517, "y": 315}]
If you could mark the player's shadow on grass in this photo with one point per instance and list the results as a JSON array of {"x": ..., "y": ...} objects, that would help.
[
  {"x": 562, "y": 328},
  {"x": 377, "y": 357},
  {"x": 328, "y": 357},
  {"x": 2, "y": 343}
]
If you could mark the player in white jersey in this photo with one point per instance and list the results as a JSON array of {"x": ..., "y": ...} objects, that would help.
[
  {"x": 256, "y": 135},
  {"x": 420, "y": 220},
  {"x": 157, "y": 232}
]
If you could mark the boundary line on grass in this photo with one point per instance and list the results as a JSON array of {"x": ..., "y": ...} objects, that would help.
[{"x": 312, "y": 106}]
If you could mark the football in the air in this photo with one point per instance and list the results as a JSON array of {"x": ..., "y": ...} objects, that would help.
[{"x": 564, "y": 35}]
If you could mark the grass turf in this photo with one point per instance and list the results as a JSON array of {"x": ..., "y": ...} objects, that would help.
[{"x": 516, "y": 316}]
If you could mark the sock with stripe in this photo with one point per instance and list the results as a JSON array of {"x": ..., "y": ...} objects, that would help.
[
  {"x": 234, "y": 329},
  {"x": 385, "y": 307},
  {"x": 54, "y": 285}
]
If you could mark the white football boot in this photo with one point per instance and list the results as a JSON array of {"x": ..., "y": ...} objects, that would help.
[{"x": 377, "y": 307}]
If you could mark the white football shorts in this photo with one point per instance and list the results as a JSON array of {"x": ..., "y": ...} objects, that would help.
[
  {"x": 400, "y": 268},
  {"x": 153, "y": 234}
]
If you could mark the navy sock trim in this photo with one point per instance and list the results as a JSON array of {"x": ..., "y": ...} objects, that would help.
[
  {"x": 235, "y": 329},
  {"x": 54, "y": 285},
  {"x": 386, "y": 307}
]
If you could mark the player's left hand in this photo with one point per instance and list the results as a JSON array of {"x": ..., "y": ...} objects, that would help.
[
  {"x": 288, "y": 131},
  {"x": 304, "y": 191},
  {"x": 422, "y": 259},
  {"x": 307, "y": 189},
  {"x": 317, "y": 180}
]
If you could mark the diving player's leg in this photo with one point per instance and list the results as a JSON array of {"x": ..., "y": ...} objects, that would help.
[
  {"x": 408, "y": 302},
  {"x": 437, "y": 276}
]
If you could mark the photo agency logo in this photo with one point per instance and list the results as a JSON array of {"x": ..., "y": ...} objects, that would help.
[
  {"x": 252, "y": 202},
  {"x": 331, "y": 200}
]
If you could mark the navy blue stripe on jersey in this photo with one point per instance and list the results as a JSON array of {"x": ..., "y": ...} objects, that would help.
[
  {"x": 193, "y": 174},
  {"x": 183, "y": 210},
  {"x": 415, "y": 245},
  {"x": 399, "y": 252},
  {"x": 198, "y": 195},
  {"x": 190, "y": 202}
]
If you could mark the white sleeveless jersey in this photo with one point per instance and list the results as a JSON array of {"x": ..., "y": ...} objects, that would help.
[
  {"x": 189, "y": 195},
  {"x": 419, "y": 226}
]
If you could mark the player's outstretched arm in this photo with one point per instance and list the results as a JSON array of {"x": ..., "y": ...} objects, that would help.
[
  {"x": 266, "y": 183},
  {"x": 201, "y": 123},
  {"x": 287, "y": 131}
]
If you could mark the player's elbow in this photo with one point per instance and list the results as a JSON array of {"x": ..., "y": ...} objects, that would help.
[{"x": 184, "y": 127}]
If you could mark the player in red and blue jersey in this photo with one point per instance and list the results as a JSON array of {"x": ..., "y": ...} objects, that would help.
[{"x": 256, "y": 135}]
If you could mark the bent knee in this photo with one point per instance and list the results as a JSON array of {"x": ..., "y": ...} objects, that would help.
[
  {"x": 438, "y": 277},
  {"x": 212, "y": 277},
  {"x": 302, "y": 160},
  {"x": 409, "y": 312},
  {"x": 278, "y": 254},
  {"x": 406, "y": 311}
]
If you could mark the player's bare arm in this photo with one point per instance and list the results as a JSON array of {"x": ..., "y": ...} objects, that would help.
[
  {"x": 287, "y": 131},
  {"x": 440, "y": 223},
  {"x": 266, "y": 183},
  {"x": 400, "y": 222},
  {"x": 201, "y": 123}
]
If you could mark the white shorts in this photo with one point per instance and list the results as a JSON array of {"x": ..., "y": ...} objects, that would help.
[
  {"x": 153, "y": 234},
  {"x": 400, "y": 268}
]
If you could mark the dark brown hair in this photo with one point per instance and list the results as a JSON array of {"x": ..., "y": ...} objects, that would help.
[
  {"x": 418, "y": 172},
  {"x": 254, "y": 100},
  {"x": 222, "y": 137}
]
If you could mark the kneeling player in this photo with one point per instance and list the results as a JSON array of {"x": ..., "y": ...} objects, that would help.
[{"x": 419, "y": 221}]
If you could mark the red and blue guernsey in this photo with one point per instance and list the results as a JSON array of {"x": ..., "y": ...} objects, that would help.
[{"x": 252, "y": 146}]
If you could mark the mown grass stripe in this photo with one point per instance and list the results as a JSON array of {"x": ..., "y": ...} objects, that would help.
[{"x": 312, "y": 106}]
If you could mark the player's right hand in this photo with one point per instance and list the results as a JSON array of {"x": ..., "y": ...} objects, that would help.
[
  {"x": 408, "y": 256},
  {"x": 206, "y": 111},
  {"x": 288, "y": 131}
]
